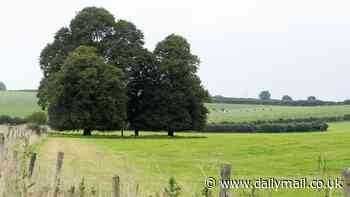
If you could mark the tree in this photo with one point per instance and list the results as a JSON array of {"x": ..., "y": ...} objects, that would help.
[
  {"x": 118, "y": 42},
  {"x": 287, "y": 98},
  {"x": 311, "y": 98},
  {"x": 143, "y": 93},
  {"x": 180, "y": 104},
  {"x": 265, "y": 95},
  {"x": 87, "y": 94},
  {"x": 2, "y": 86}
]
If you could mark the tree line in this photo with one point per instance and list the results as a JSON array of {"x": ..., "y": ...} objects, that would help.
[
  {"x": 99, "y": 76},
  {"x": 264, "y": 98}
]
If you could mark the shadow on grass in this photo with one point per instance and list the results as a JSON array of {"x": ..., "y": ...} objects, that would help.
[{"x": 125, "y": 137}]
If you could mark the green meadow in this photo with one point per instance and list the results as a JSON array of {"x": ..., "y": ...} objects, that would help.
[
  {"x": 20, "y": 104},
  {"x": 242, "y": 112},
  {"x": 150, "y": 160},
  {"x": 147, "y": 162}
]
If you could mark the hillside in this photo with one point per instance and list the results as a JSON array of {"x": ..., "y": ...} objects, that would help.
[{"x": 15, "y": 103}]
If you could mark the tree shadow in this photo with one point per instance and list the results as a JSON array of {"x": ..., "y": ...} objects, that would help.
[{"x": 125, "y": 137}]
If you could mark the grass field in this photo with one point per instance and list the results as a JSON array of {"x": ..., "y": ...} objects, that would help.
[
  {"x": 24, "y": 103},
  {"x": 151, "y": 159},
  {"x": 241, "y": 113},
  {"x": 18, "y": 103}
]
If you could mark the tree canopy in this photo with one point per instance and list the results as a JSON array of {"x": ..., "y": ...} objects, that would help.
[
  {"x": 87, "y": 94},
  {"x": 265, "y": 95},
  {"x": 311, "y": 98},
  {"x": 98, "y": 76},
  {"x": 182, "y": 95},
  {"x": 2, "y": 86},
  {"x": 118, "y": 42},
  {"x": 287, "y": 98}
]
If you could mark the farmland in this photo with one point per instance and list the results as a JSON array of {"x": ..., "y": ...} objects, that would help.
[
  {"x": 243, "y": 112},
  {"x": 20, "y": 104},
  {"x": 23, "y": 103},
  {"x": 151, "y": 159}
]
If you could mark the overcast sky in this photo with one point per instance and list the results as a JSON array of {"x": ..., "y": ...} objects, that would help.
[{"x": 295, "y": 47}]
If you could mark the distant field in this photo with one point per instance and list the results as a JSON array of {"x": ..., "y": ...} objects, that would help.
[
  {"x": 153, "y": 158},
  {"x": 242, "y": 112},
  {"x": 18, "y": 103},
  {"x": 23, "y": 103}
]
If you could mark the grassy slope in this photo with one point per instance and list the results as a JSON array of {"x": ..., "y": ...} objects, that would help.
[
  {"x": 151, "y": 160},
  {"x": 24, "y": 103},
  {"x": 18, "y": 103},
  {"x": 240, "y": 113}
]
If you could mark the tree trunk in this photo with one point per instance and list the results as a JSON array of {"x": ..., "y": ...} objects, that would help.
[
  {"x": 87, "y": 132},
  {"x": 122, "y": 132},
  {"x": 170, "y": 133},
  {"x": 137, "y": 132}
]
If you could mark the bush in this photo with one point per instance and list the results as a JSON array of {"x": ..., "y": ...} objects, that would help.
[
  {"x": 268, "y": 127},
  {"x": 38, "y": 118},
  {"x": 5, "y": 119}
]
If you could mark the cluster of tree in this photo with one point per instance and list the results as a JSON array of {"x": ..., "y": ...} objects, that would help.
[
  {"x": 2, "y": 86},
  {"x": 99, "y": 76},
  {"x": 268, "y": 127}
]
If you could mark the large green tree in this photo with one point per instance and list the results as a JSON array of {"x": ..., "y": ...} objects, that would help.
[
  {"x": 181, "y": 96},
  {"x": 119, "y": 42},
  {"x": 144, "y": 94},
  {"x": 87, "y": 94}
]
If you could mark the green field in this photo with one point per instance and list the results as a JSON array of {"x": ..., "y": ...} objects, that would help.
[
  {"x": 18, "y": 103},
  {"x": 241, "y": 112},
  {"x": 151, "y": 159},
  {"x": 24, "y": 103}
]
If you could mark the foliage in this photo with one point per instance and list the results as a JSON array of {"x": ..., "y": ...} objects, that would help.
[
  {"x": 311, "y": 98},
  {"x": 265, "y": 95},
  {"x": 143, "y": 92},
  {"x": 5, "y": 119},
  {"x": 117, "y": 42},
  {"x": 181, "y": 96},
  {"x": 287, "y": 98},
  {"x": 38, "y": 118},
  {"x": 2, "y": 86},
  {"x": 87, "y": 94},
  {"x": 173, "y": 189},
  {"x": 268, "y": 127}
]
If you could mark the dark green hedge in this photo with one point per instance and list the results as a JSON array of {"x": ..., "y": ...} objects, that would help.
[
  {"x": 292, "y": 120},
  {"x": 268, "y": 127},
  {"x": 5, "y": 119}
]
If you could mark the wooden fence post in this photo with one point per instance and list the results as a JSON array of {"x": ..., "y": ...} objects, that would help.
[
  {"x": 56, "y": 181},
  {"x": 31, "y": 165},
  {"x": 2, "y": 142},
  {"x": 116, "y": 186},
  {"x": 225, "y": 173},
  {"x": 346, "y": 176}
]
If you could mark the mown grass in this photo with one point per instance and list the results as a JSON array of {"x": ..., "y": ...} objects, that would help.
[
  {"x": 18, "y": 103},
  {"x": 151, "y": 161},
  {"x": 241, "y": 112}
]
